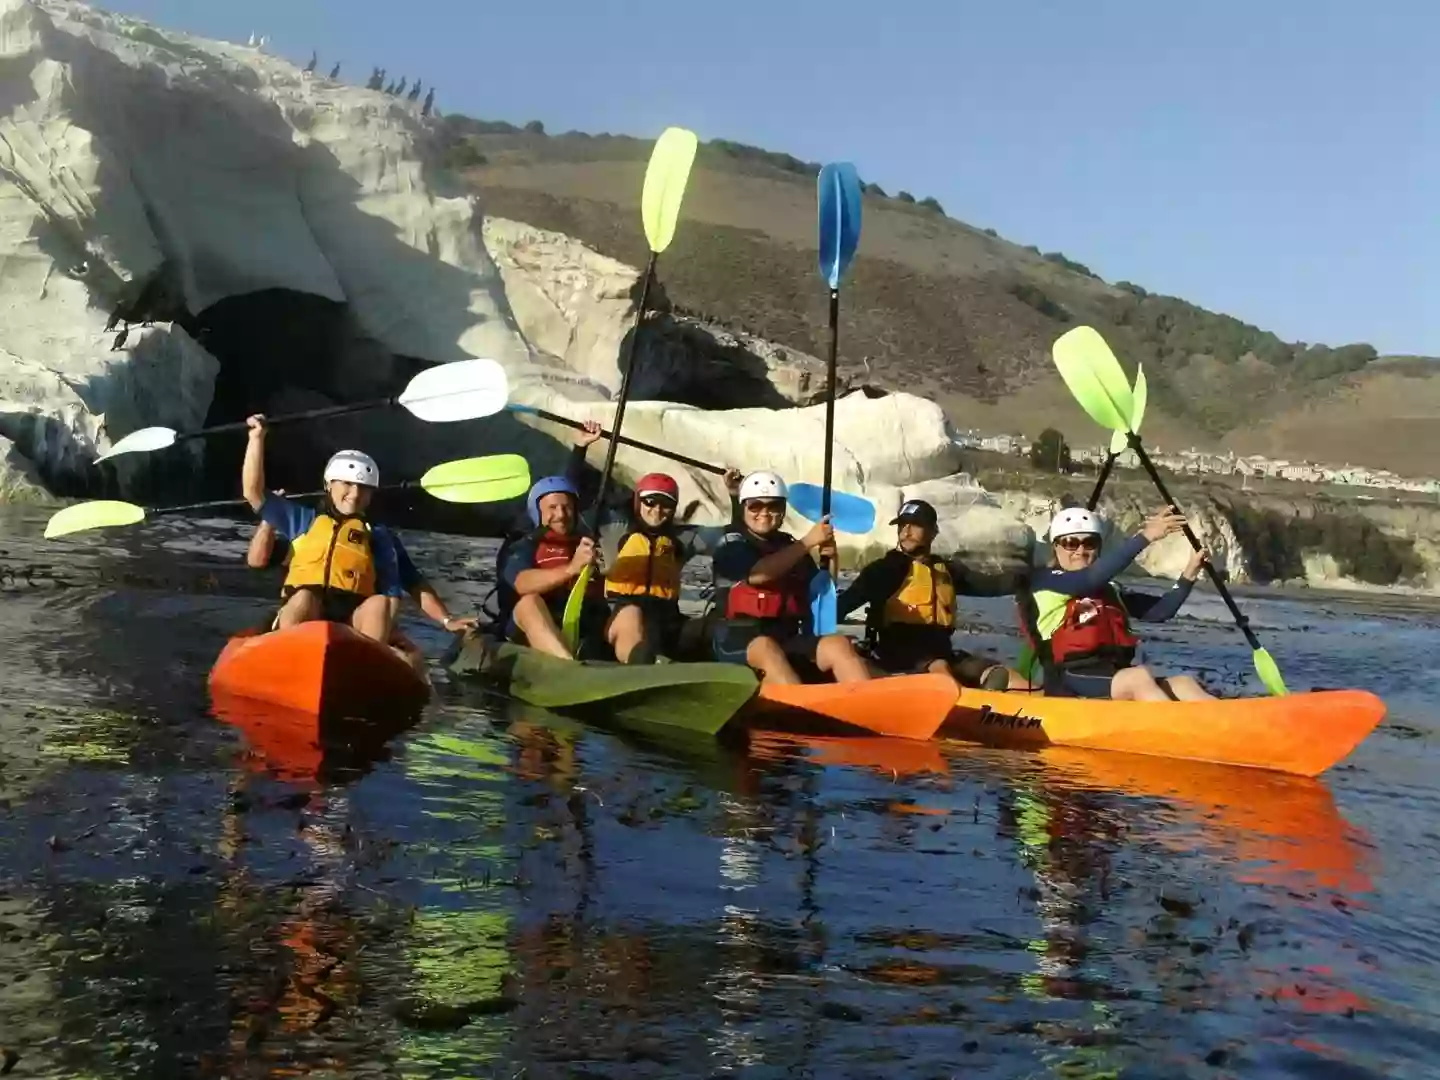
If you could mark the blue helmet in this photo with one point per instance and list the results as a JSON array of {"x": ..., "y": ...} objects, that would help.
[{"x": 548, "y": 485}]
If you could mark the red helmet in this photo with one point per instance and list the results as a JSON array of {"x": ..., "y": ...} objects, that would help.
[{"x": 657, "y": 483}]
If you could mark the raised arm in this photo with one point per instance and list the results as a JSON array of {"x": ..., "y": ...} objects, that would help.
[{"x": 252, "y": 472}]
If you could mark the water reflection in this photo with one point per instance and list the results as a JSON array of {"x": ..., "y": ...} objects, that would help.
[{"x": 500, "y": 890}]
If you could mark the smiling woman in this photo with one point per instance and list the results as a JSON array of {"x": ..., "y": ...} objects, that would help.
[{"x": 1079, "y": 623}]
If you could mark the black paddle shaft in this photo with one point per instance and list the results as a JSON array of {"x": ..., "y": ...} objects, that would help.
[
  {"x": 625, "y": 378},
  {"x": 1240, "y": 620},
  {"x": 694, "y": 463},
  {"x": 1100, "y": 482},
  {"x": 291, "y": 418},
  {"x": 220, "y": 504}
]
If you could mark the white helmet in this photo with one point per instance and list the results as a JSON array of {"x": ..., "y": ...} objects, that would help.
[
  {"x": 1075, "y": 521},
  {"x": 763, "y": 485},
  {"x": 354, "y": 467}
]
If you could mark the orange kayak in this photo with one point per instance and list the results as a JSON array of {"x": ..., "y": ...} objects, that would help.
[
  {"x": 318, "y": 668},
  {"x": 1298, "y": 733},
  {"x": 905, "y": 706}
]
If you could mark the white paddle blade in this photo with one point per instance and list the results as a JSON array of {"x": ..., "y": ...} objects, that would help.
[
  {"x": 141, "y": 442},
  {"x": 93, "y": 515},
  {"x": 463, "y": 390}
]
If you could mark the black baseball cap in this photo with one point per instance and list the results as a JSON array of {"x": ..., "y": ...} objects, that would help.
[{"x": 919, "y": 512}]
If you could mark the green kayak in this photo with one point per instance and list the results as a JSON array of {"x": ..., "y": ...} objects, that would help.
[{"x": 699, "y": 698}]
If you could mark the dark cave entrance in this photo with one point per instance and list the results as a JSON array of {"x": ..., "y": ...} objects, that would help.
[{"x": 281, "y": 352}]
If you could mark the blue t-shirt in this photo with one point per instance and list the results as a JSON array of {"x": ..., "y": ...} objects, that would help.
[{"x": 395, "y": 573}]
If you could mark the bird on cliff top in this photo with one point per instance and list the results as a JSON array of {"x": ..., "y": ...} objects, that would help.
[
  {"x": 401, "y": 88},
  {"x": 414, "y": 94},
  {"x": 335, "y": 72},
  {"x": 314, "y": 59},
  {"x": 429, "y": 103}
]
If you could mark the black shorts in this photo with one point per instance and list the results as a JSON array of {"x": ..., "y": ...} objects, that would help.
[
  {"x": 335, "y": 605},
  {"x": 663, "y": 621},
  {"x": 907, "y": 650},
  {"x": 1090, "y": 681},
  {"x": 732, "y": 639}
]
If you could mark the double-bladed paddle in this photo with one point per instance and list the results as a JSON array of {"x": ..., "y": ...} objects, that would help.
[
  {"x": 1098, "y": 383},
  {"x": 665, "y": 179},
  {"x": 848, "y": 513},
  {"x": 838, "y": 198},
  {"x": 463, "y": 390},
  {"x": 466, "y": 480},
  {"x": 1118, "y": 441},
  {"x": 556, "y": 418}
]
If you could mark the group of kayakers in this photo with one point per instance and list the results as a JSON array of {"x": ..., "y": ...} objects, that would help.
[{"x": 1077, "y": 624}]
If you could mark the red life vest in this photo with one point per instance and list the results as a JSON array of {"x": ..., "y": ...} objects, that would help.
[
  {"x": 1094, "y": 627},
  {"x": 552, "y": 550},
  {"x": 788, "y": 598}
]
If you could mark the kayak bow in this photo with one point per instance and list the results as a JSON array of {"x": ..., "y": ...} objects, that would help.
[{"x": 1303, "y": 734}]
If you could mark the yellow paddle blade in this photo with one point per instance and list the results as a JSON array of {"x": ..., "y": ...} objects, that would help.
[
  {"x": 93, "y": 515},
  {"x": 665, "y": 180},
  {"x": 1118, "y": 441},
  {"x": 574, "y": 605},
  {"x": 1094, "y": 377},
  {"x": 479, "y": 479},
  {"x": 1269, "y": 672}
]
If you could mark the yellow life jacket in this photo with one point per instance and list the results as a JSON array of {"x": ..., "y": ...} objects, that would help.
[
  {"x": 333, "y": 554},
  {"x": 645, "y": 565},
  {"x": 925, "y": 598}
]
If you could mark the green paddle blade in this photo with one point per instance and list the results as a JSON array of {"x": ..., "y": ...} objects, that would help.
[
  {"x": 1118, "y": 441},
  {"x": 574, "y": 605},
  {"x": 1094, "y": 377},
  {"x": 93, "y": 515},
  {"x": 1269, "y": 673},
  {"x": 479, "y": 479},
  {"x": 665, "y": 180}
]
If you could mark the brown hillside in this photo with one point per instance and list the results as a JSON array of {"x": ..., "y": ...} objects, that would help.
[{"x": 938, "y": 307}]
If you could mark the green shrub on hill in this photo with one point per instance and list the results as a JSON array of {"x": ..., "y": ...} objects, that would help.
[
  {"x": 1277, "y": 545},
  {"x": 745, "y": 152},
  {"x": 1070, "y": 264}
]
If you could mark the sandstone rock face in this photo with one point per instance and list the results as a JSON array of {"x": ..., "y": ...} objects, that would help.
[
  {"x": 131, "y": 158},
  {"x": 578, "y": 306}
]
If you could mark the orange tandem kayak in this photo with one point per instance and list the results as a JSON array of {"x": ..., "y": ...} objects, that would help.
[
  {"x": 318, "y": 668},
  {"x": 905, "y": 706},
  {"x": 1303, "y": 734}
]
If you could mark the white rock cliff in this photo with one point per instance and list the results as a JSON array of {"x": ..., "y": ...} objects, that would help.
[{"x": 140, "y": 160}]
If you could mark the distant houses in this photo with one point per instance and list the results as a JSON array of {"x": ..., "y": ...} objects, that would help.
[{"x": 1194, "y": 462}]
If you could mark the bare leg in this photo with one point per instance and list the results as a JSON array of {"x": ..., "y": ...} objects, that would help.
[
  {"x": 836, "y": 656},
  {"x": 625, "y": 630},
  {"x": 375, "y": 617},
  {"x": 303, "y": 606},
  {"x": 409, "y": 652},
  {"x": 1187, "y": 688},
  {"x": 1136, "y": 684},
  {"x": 535, "y": 621},
  {"x": 765, "y": 656}
]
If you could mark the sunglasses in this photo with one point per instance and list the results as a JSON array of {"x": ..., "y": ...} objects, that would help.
[
  {"x": 765, "y": 506},
  {"x": 654, "y": 501},
  {"x": 1079, "y": 543}
]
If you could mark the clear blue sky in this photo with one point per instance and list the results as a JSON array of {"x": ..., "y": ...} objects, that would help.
[{"x": 1277, "y": 161}]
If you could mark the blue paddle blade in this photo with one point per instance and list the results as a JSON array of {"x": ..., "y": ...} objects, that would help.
[
  {"x": 822, "y": 604},
  {"x": 838, "y": 196},
  {"x": 848, "y": 513}
]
